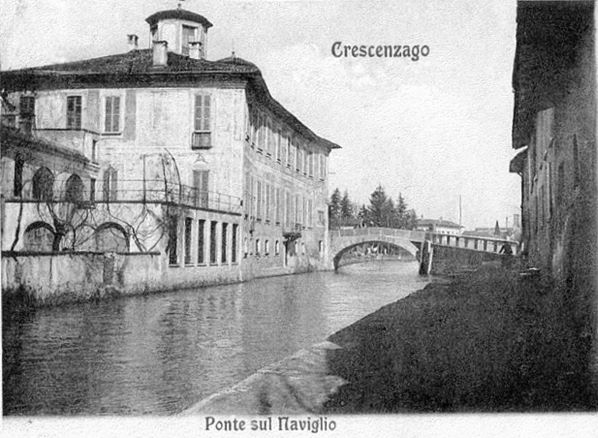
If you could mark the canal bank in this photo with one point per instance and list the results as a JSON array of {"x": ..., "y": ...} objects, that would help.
[{"x": 491, "y": 340}]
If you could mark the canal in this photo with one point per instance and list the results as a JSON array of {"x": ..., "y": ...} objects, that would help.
[{"x": 161, "y": 353}]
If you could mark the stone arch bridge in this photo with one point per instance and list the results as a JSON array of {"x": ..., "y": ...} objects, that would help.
[
  {"x": 450, "y": 252},
  {"x": 343, "y": 241}
]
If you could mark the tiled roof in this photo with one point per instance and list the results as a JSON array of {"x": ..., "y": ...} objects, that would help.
[
  {"x": 141, "y": 61},
  {"x": 135, "y": 68},
  {"x": 12, "y": 137}
]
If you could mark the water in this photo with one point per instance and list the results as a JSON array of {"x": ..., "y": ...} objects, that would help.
[{"x": 161, "y": 353}]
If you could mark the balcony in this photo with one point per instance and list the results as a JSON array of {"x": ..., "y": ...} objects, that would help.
[
  {"x": 201, "y": 140},
  {"x": 139, "y": 191}
]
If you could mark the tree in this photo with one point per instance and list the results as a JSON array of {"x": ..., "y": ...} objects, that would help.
[
  {"x": 363, "y": 215},
  {"x": 346, "y": 207},
  {"x": 334, "y": 208},
  {"x": 400, "y": 213},
  {"x": 380, "y": 210}
]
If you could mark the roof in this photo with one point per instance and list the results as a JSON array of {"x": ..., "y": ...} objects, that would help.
[
  {"x": 548, "y": 48},
  {"x": 12, "y": 137},
  {"x": 135, "y": 69},
  {"x": 438, "y": 223},
  {"x": 178, "y": 14}
]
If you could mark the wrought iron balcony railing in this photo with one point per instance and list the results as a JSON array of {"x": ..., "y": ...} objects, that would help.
[{"x": 136, "y": 191}]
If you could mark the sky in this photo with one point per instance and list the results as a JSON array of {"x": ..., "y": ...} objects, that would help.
[{"x": 434, "y": 130}]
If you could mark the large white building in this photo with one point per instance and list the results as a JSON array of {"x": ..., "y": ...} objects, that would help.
[{"x": 169, "y": 152}]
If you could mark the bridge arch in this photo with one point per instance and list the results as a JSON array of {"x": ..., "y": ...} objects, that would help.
[{"x": 410, "y": 248}]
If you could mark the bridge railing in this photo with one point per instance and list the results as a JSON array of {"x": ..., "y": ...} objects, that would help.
[
  {"x": 486, "y": 244},
  {"x": 379, "y": 231}
]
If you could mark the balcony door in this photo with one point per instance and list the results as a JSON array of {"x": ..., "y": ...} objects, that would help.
[{"x": 201, "y": 184}]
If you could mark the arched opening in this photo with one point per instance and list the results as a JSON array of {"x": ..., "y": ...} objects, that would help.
[
  {"x": 362, "y": 252},
  {"x": 38, "y": 236},
  {"x": 74, "y": 189},
  {"x": 111, "y": 237},
  {"x": 43, "y": 184}
]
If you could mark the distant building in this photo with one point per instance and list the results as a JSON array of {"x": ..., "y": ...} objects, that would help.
[
  {"x": 162, "y": 150},
  {"x": 439, "y": 226}
]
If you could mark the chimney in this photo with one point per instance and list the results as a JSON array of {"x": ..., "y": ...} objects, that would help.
[
  {"x": 132, "y": 41},
  {"x": 195, "y": 50},
  {"x": 160, "y": 58}
]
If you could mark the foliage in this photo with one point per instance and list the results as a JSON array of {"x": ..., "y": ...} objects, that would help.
[{"x": 382, "y": 211}]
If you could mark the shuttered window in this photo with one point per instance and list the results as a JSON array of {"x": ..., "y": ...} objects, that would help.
[
  {"x": 201, "y": 138},
  {"x": 73, "y": 112},
  {"x": 112, "y": 120}
]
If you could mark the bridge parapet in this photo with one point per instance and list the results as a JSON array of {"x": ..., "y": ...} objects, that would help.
[
  {"x": 412, "y": 235},
  {"x": 475, "y": 243}
]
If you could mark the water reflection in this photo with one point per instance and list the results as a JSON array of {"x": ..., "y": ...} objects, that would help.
[{"x": 161, "y": 353}]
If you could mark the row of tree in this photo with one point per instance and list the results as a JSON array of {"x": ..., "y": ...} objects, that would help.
[{"x": 382, "y": 211}]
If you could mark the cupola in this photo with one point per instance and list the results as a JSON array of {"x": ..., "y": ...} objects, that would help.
[{"x": 185, "y": 32}]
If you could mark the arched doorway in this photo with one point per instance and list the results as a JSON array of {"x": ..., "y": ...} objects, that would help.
[
  {"x": 74, "y": 189},
  {"x": 111, "y": 237},
  {"x": 43, "y": 184},
  {"x": 38, "y": 236}
]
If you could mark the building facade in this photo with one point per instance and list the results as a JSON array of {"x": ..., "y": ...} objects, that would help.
[
  {"x": 554, "y": 130},
  {"x": 175, "y": 153},
  {"x": 439, "y": 226}
]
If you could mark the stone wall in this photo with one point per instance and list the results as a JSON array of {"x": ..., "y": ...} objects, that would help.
[
  {"x": 449, "y": 260},
  {"x": 53, "y": 278}
]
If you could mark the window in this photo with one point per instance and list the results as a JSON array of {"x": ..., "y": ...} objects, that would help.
[
  {"x": 110, "y": 184},
  {"x": 321, "y": 247},
  {"x": 257, "y": 247},
  {"x": 43, "y": 182},
  {"x": 27, "y": 113},
  {"x": 292, "y": 153},
  {"x": 309, "y": 213},
  {"x": 277, "y": 247},
  {"x": 311, "y": 164},
  {"x": 258, "y": 213},
  {"x": 74, "y": 189},
  {"x": 73, "y": 112},
  {"x": 233, "y": 250},
  {"x": 278, "y": 146},
  {"x": 200, "y": 240},
  {"x": 267, "y": 248},
  {"x": 288, "y": 151},
  {"x": 267, "y": 210},
  {"x": 172, "y": 240},
  {"x": 18, "y": 179},
  {"x": 201, "y": 180},
  {"x": 213, "y": 236},
  {"x": 201, "y": 138},
  {"x": 112, "y": 114},
  {"x": 269, "y": 137},
  {"x": 298, "y": 159},
  {"x": 289, "y": 208},
  {"x": 278, "y": 204},
  {"x": 188, "y": 231},
  {"x": 189, "y": 35},
  {"x": 322, "y": 167},
  {"x": 92, "y": 189},
  {"x": 27, "y": 106},
  {"x": 224, "y": 241},
  {"x": 38, "y": 236},
  {"x": 94, "y": 151}
]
